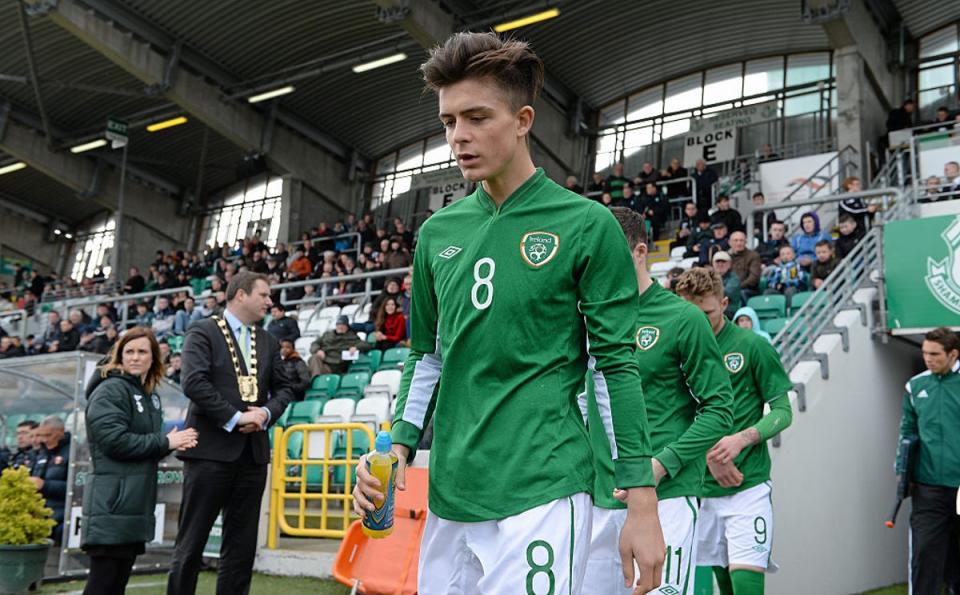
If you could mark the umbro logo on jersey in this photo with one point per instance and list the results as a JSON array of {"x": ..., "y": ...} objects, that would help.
[
  {"x": 539, "y": 247},
  {"x": 733, "y": 362},
  {"x": 647, "y": 337},
  {"x": 450, "y": 252},
  {"x": 922, "y": 394}
]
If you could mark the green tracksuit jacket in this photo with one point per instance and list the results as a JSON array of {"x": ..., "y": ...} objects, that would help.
[{"x": 931, "y": 410}]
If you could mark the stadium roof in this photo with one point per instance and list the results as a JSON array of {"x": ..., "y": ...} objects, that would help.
[{"x": 597, "y": 50}]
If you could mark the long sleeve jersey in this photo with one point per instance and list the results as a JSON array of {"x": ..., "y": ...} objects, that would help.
[
  {"x": 931, "y": 410},
  {"x": 508, "y": 305}
]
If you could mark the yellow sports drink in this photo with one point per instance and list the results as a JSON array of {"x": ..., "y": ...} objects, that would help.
[{"x": 382, "y": 464}]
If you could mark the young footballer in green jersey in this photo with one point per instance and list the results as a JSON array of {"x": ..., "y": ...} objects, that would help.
[
  {"x": 510, "y": 285},
  {"x": 688, "y": 399},
  {"x": 735, "y": 528}
]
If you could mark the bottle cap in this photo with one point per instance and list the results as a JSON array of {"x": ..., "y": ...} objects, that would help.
[{"x": 384, "y": 442}]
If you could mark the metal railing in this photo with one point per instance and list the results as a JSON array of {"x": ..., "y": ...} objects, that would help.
[
  {"x": 815, "y": 316},
  {"x": 309, "y": 478},
  {"x": 838, "y": 167},
  {"x": 121, "y": 302},
  {"x": 324, "y": 294},
  {"x": 357, "y": 247},
  {"x": 20, "y": 315}
]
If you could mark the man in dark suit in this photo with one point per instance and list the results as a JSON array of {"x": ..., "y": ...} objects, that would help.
[{"x": 234, "y": 377}]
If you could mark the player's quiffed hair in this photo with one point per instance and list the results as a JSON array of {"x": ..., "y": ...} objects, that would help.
[
  {"x": 632, "y": 224},
  {"x": 699, "y": 282},
  {"x": 945, "y": 337},
  {"x": 511, "y": 63}
]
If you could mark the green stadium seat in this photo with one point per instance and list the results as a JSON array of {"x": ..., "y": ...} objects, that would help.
[
  {"x": 367, "y": 362},
  {"x": 352, "y": 385},
  {"x": 304, "y": 412},
  {"x": 328, "y": 383},
  {"x": 176, "y": 343},
  {"x": 197, "y": 285},
  {"x": 774, "y": 326},
  {"x": 819, "y": 300},
  {"x": 769, "y": 306},
  {"x": 282, "y": 422},
  {"x": 394, "y": 358},
  {"x": 360, "y": 446}
]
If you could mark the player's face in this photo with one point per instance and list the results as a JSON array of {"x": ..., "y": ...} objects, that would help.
[
  {"x": 713, "y": 307},
  {"x": 482, "y": 128},
  {"x": 936, "y": 358}
]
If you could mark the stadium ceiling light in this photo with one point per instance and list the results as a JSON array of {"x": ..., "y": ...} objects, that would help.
[
  {"x": 95, "y": 144},
  {"x": 6, "y": 169},
  {"x": 391, "y": 59},
  {"x": 271, "y": 94},
  {"x": 167, "y": 124},
  {"x": 527, "y": 20}
]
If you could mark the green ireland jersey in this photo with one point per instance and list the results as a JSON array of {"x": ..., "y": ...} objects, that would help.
[
  {"x": 686, "y": 392},
  {"x": 508, "y": 305},
  {"x": 757, "y": 377}
]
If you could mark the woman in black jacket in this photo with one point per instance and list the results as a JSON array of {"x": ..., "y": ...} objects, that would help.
[{"x": 124, "y": 421}]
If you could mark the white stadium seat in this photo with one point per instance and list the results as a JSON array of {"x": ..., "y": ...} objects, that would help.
[
  {"x": 388, "y": 378},
  {"x": 687, "y": 263},
  {"x": 678, "y": 252},
  {"x": 339, "y": 409},
  {"x": 661, "y": 268},
  {"x": 349, "y": 310},
  {"x": 377, "y": 408},
  {"x": 302, "y": 345}
]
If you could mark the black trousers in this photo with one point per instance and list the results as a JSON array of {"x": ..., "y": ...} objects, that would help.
[
  {"x": 934, "y": 527},
  {"x": 108, "y": 575},
  {"x": 208, "y": 487}
]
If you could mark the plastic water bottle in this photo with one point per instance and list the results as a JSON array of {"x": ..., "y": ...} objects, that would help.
[{"x": 382, "y": 464}]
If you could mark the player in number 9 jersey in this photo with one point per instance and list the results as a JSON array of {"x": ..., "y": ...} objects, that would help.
[{"x": 510, "y": 286}]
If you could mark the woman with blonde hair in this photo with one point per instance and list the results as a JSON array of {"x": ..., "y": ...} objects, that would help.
[{"x": 124, "y": 421}]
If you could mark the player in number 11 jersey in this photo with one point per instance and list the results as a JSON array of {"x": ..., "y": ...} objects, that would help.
[{"x": 509, "y": 286}]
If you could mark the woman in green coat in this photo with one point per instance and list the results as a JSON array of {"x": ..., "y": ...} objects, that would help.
[{"x": 124, "y": 427}]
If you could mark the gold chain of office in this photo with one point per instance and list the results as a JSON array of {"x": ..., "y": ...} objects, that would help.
[{"x": 247, "y": 384}]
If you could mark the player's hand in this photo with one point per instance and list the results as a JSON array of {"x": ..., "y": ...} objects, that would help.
[
  {"x": 641, "y": 540},
  {"x": 726, "y": 449},
  {"x": 368, "y": 487},
  {"x": 727, "y": 475}
]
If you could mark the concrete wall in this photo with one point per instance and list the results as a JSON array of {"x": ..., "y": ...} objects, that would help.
[
  {"x": 21, "y": 237},
  {"x": 861, "y": 112},
  {"x": 551, "y": 147},
  {"x": 833, "y": 480},
  {"x": 303, "y": 208}
]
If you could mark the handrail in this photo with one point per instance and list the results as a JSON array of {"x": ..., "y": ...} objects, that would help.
[
  {"x": 350, "y": 234},
  {"x": 796, "y": 205},
  {"x": 123, "y": 300},
  {"x": 279, "y": 494},
  {"x": 23, "y": 315},
  {"x": 325, "y": 281},
  {"x": 829, "y": 164}
]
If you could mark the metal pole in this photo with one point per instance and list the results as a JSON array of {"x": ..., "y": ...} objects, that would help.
[{"x": 118, "y": 228}]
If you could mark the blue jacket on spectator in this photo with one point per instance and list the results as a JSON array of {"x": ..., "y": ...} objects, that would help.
[
  {"x": 804, "y": 243},
  {"x": 788, "y": 274},
  {"x": 754, "y": 319}
]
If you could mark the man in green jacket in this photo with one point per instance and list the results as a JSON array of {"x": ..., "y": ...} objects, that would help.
[
  {"x": 689, "y": 408},
  {"x": 327, "y": 350},
  {"x": 931, "y": 411}
]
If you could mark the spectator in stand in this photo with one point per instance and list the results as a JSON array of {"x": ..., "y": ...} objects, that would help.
[
  {"x": 106, "y": 310},
  {"x": 804, "y": 242},
  {"x": 173, "y": 368},
  {"x": 672, "y": 276},
  {"x": 727, "y": 214},
  {"x": 164, "y": 317},
  {"x": 11, "y": 347},
  {"x": 327, "y": 350},
  {"x": 719, "y": 241},
  {"x": 49, "y": 472},
  {"x": 69, "y": 337},
  {"x": 855, "y": 207},
  {"x": 629, "y": 200},
  {"x": 208, "y": 309},
  {"x": 398, "y": 257},
  {"x": 595, "y": 187},
  {"x": 573, "y": 185},
  {"x": 655, "y": 208},
  {"x": 37, "y": 283},
  {"x": 758, "y": 201},
  {"x": 731, "y": 282},
  {"x": 615, "y": 183},
  {"x": 942, "y": 122},
  {"x": 144, "y": 315},
  {"x": 390, "y": 324},
  {"x": 400, "y": 229},
  {"x": 767, "y": 154},
  {"x": 688, "y": 225},
  {"x": 648, "y": 173},
  {"x": 850, "y": 236},
  {"x": 606, "y": 199},
  {"x": 788, "y": 277},
  {"x": 52, "y": 332},
  {"x": 297, "y": 371},
  {"x": 102, "y": 340},
  {"x": 26, "y": 452},
  {"x": 184, "y": 317},
  {"x": 824, "y": 264},
  {"x": 951, "y": 173},
  {"x": 901, "y": 117},
  {"x": 705, "y": 178},
  {"x": 931, "y": 191},
  {"x": 746, "y": 264},
  {"x": 282, "y": 326},
  {"x": 746, "y": 317},
  {"x": 675, "y": 172},
  {"x": 776, "y": 238}
]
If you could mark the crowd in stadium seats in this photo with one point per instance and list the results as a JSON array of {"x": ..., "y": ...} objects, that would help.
[{"x": 324, "y": 252}]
